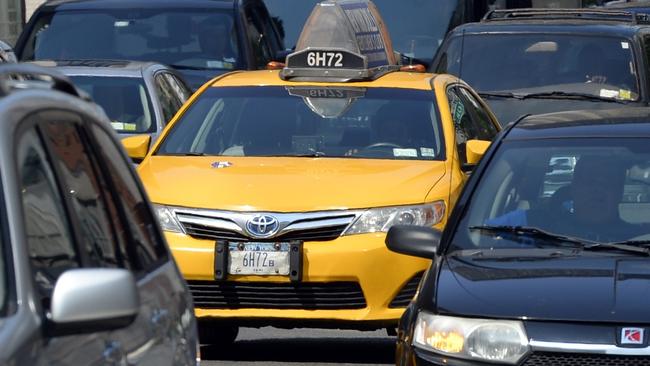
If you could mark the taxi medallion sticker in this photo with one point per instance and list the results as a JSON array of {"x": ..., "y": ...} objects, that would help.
[{"x": 221, "y": 164}]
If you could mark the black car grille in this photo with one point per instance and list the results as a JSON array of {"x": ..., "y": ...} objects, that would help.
[
  {"x": 268, "y": 295},
  {"x": 574, "y": 359},
  {"x": 406, "y": 294},
  {"x": 315, "y": 234}
]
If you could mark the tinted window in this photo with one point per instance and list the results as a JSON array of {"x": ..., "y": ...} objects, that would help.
[
  {"x": 85, "y": 191},
  {"x": 593, "y": 189},
  {"x": 147, "y": 248},
  {"x": 204, "y": 38},
  {"x": 464, "y": 126},
  {"x": 328, "y": 122},
  {"x": 258, "y": 38},
  {"x": 483, "y": 126},
  {"x": 531, "y": 63},
  {"x": 50, "y": 246},
  {"x": 168, "y": 97},
  {"x": 125, "y": 100},
  {"x": 420, "y": 36}
]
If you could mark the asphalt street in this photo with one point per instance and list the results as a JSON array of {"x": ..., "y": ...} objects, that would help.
[{"x": 313, "y": 347}]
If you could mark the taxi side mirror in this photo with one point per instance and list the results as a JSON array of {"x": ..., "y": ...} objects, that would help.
[
  {"x": 474, "y": 151},
  {"x": 137, "y": 147}
]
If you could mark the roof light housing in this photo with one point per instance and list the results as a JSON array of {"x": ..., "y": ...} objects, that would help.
[{"x": 342, "y": 40}]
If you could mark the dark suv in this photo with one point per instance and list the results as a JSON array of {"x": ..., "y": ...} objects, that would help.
[
  {"x": 546, "y": 60},
  {"x": 200, "y": 38}
]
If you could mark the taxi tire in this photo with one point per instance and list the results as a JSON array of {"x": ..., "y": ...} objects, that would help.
[{"x": 212, "y": 333}]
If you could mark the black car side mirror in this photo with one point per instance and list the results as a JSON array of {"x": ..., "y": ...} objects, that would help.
[{"x": 412, "y": 240}]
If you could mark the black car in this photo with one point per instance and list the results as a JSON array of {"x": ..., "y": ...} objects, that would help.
[
  {"x": 200, "y": 38},
  {"x": 547, "y": 60},
  {"x": 532, "y": 270}
]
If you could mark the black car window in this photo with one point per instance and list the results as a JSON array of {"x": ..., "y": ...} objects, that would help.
[
  {"x": 47, "y": 227},
  {"x": 598, "y": 65},
  {"x": 257, "y": 38},
  {"x": 204, "y": 38},
  {"x": 84, "y": 188},
  {"x": 147, "y": 247}
]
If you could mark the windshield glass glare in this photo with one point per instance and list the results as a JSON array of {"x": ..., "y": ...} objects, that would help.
[
  {"x": 204, "y": 39},
  {"x": 592, "y": 189},
  {"x": 125, "y": 100},
  {"x": 419, "y": 37},
  {"x": 305, "y": 121},
  {"x": 531, "y": 63}
]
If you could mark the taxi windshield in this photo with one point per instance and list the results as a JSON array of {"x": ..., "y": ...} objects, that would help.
[
  {"x": 202, "y": 39},
  {"x": 538, "y": 63},
  {"x": 124, "y": 99},
  {"x": 592, "y": 189},
  {"x": 419, "y": 37},
  {"x": 374, "y": 123}
]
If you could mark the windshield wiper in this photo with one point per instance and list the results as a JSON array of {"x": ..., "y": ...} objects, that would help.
[
  {"x": 533, "y": 232},
  {"x": 315, "y": 154},
  {"x": 187, "y": 67},
  {"x": 571, "y": 95},
  {"x": 499, "y": 95},
  {"x": 184, "y": 154}
]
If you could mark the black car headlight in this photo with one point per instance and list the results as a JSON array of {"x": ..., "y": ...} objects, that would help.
[{"x": 498, "y": 341}]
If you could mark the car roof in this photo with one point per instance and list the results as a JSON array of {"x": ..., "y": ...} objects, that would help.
[
  {"x": 104, "y": 4},
  {"x": 408, "y": 80},
  {"x": 101, "y": 67},
  {"x": 622, "y": 122}
]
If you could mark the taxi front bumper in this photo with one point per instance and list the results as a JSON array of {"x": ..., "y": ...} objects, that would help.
[{"x": 331, "y": 271}]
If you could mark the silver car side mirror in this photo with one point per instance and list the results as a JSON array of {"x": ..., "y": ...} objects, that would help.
[{"x": 91, "y": 300}]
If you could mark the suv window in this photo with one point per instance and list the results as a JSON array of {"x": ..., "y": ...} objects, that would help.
[
  {"x": 257, "y": 38},
  {"x": 148, "y": 248},
  {"x": 49, "y": 240},
  {"x": 86, "y": 192}
]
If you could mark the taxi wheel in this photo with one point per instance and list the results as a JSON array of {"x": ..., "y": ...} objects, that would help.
[{"x": 212, "y": 333}]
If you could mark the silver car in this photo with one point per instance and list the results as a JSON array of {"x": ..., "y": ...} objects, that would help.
[
  {"x": 138, "y": 97},
  {"x": 86, "y": 278}
]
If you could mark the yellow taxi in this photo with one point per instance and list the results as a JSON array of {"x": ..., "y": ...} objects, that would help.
[{"x": 275, "y": 188}]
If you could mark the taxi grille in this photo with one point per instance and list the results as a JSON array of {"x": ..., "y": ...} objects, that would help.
[
  {"x": 575, "y": 359},
  {"x": 315, "y": 234},
  {"x": 268, "y": 295},
  {"x": 406, "y": 294}
]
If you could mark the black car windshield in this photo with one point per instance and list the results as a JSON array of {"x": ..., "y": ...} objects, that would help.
[
  {"x": 419, "y": 37},
  {"x": 593, "y": 189},
  {"x": 204, "y": 39},
  {"x": 124, "y": 99},
  {"x": 541, "y": 63},
  {"x": 380, "y": 123}
]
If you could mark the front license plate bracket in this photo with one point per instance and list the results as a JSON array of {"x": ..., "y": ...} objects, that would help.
[{"x": 221, "y": 262}]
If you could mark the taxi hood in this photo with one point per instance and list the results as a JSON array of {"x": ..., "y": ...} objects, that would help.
[{"x": 287, "y": 184}]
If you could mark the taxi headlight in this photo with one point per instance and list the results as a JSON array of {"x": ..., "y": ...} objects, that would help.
[
  {"x": 167, "y": 219},
  {"x": 381, "y": 219},
  {"x": 498, "y": 341}
]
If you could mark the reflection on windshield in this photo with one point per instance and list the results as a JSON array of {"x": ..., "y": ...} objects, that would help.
[
  {"x": 203, "y": 39},
  {"x": 594, "y": 190},
  {"x": 303, "y": 121},
  {"x": 533, "y": 63},
  {"x": 125, "y": 101},
  {"x": 419, "y": 37}
]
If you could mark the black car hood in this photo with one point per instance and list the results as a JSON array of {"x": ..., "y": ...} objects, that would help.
[
  {"x": 196, "y": 78},
  {"x": 508, "y": 109},
  {"x": 582, "y": 288}
]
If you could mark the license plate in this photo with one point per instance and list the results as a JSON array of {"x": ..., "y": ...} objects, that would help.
[{"x": 258, "y": 258}]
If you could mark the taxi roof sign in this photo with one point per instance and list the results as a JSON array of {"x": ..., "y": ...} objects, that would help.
[{"x": 342, "y": 40}]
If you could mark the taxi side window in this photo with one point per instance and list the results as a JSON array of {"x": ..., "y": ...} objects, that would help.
[
  {"x": 168, "y": 97},
  {"x": 148, "y": 249},
  {"x": 462, "y": 122},
  {"x": 257, "y": 38},
  {"x": 47, "y": 229},
  {"x": 485, "y": 129},
  {"x": 86, "y": 192}
]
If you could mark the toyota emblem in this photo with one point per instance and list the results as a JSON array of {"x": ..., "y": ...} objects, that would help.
[{"x": 262, "y": 226}]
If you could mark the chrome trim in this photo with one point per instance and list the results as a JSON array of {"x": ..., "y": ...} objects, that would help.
[
  {"x": 604, "y": 349},
  {"x": 288, "y": 222}
]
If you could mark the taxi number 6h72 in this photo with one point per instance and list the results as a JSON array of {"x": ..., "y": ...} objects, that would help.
[{"x": 325, "y": 59}]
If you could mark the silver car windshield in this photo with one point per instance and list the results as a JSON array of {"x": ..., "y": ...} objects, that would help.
[
  {"x": 592, "y": 189},
  {"x": 125, "y": 100},
  {"x": 537, "y": 63},
  {"x": 375, "y": 123}
]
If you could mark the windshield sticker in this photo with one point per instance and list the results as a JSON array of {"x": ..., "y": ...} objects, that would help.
[
  {"x": 410, "y": 153},
  {"x": 607, "y": 93},
  {"x": 121, "y": 23},
  {"x": 625, "y": 45},
  {"x": 124, "y": 126},
  {"x": 215, "y": 64},
  {"x": 457, "y": 110},
  {"x": 221, "y": 164},
  {"x": 428, "y": 152},
  {"x": 625, "y": 94}
]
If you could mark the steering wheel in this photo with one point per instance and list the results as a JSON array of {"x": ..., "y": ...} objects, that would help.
[{"x": 380, "y": 145}]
